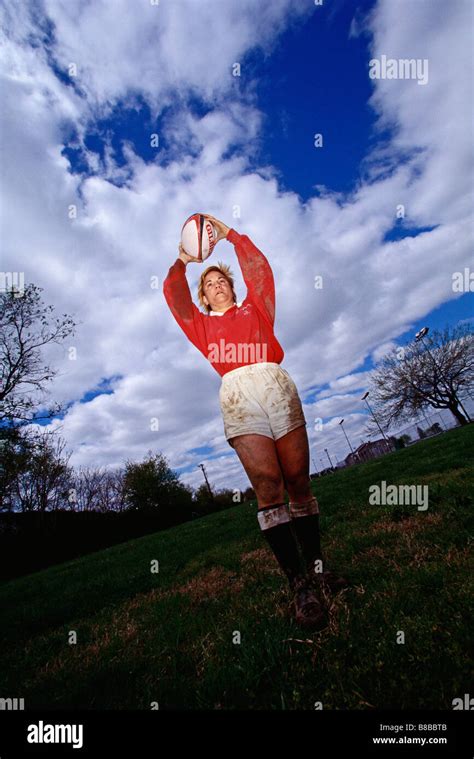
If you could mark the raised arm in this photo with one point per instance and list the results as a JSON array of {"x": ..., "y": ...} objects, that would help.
[
  {"x": 257, "y": 274},
  {"x": 178, "y": 297},
  {"x": 255, "y": 268}
]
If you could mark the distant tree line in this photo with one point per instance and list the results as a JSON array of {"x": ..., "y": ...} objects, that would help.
[{"x": 35, "y": 475}]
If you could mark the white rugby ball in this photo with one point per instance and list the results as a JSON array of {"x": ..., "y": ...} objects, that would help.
[{"x": 198, "y": 236}]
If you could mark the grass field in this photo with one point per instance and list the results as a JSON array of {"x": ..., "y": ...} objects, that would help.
[{"x": 169, "y": 637}]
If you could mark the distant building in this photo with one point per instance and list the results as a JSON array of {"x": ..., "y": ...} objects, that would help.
[{"x": 369, "y": 450}]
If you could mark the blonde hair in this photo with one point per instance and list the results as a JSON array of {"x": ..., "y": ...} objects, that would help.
[{"x": 223, "y": 269}]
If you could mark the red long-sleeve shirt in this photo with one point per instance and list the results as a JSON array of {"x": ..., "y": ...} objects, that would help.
[{"x": 241, "y": 335}]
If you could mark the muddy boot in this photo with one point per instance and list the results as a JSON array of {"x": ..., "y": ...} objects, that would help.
[
  {"x": 310, "y": 611},
  {"x": 305, "y": 522},
  {"x": 275, "y": 525}
]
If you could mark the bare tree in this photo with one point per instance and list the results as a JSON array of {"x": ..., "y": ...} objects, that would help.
[
  {"x": 15, "y": 453},
  {"x": 437, "y": 373},
  {"x": 113, "y": 496},
  {"x": 26, "y": 326},
  {"x": 98, "y": 489},
  {"x": 84, "y": 495},
  {"x": 46, "y": 481}
]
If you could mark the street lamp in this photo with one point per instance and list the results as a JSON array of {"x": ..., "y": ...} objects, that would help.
[
  {"x": 419, "y": 336},
  {"x": 327, "y": 454},
  {"x": 348, "y": 441},
  {"x": 364, "y": 398}
]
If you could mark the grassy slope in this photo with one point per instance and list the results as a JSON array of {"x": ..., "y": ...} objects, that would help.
[{"x": 168, "y": 637}]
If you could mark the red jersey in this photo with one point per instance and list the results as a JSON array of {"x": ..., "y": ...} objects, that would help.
[{"x": 241, "y": 335}]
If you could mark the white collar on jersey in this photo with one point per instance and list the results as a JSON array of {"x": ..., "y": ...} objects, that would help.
[{"x": 221, "y": 313}]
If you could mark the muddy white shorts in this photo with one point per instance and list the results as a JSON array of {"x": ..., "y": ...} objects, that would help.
[{"x": 260, "y": 399}]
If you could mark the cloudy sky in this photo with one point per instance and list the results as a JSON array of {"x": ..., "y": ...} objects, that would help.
[{"x": 120, "y": 118}]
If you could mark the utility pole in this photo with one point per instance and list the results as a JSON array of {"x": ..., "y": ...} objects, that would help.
[{"x": 207, "y": 481}]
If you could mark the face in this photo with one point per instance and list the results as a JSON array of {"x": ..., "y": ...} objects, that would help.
[{"x": 217, "y": 292}]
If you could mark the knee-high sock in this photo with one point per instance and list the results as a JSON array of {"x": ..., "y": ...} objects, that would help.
[
  {"x": 275, "y": 524},
  {"x": 305, "y": 520}
]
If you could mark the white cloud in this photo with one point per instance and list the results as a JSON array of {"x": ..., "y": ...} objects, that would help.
[
  {"x": 383, "y": 350},
  {"x": 162, "y": 51}
]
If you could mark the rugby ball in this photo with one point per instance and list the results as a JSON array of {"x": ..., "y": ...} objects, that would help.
[{"x": 198, "y": 236}]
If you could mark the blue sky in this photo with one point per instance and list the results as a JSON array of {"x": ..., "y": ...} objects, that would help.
[
  {"x": 83, "y": 139},
  {"x": 316, "y": 81},
  {"x": 311, "y": 62}
]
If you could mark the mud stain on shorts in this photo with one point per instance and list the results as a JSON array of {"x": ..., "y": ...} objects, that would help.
[
  {"x": 261, "y": 398},
  {"x": 233, "y": 406}
]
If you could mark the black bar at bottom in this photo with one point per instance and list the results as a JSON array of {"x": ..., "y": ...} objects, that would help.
[{"x": 147, "y": 734}]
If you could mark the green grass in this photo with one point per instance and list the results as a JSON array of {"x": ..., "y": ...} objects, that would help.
[{"x": 169, "y": 637}]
